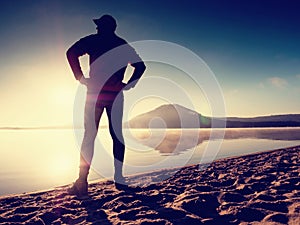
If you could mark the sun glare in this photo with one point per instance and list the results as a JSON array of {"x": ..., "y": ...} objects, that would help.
[
  {"x": 63, "y": 95},
  {"x": 61, "y": 168}
]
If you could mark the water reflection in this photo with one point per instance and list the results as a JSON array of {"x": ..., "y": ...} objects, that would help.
[
  {"x": 176, "y": 141},
  {"x": 40, "y": 159}
]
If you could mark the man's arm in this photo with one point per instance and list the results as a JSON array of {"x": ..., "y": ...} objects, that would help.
[
  {"x": 139, "y": 69},
  {"x": 73, "y": 54},
  {"x": 138, "y": 64}
]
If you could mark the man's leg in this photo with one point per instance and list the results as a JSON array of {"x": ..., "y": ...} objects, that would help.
[
  {"x": 115, "y": 115},
  {"x": 92, "y": 115}
]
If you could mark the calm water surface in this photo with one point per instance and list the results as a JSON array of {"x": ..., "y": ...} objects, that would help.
[{"x": 40, "y": 159}]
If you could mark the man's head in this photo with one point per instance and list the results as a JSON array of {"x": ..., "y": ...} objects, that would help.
[{"x": 106, "y": 24}]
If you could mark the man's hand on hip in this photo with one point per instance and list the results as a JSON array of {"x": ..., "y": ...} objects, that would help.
[
  {"x": 128, "y": 86},
  {"x": 83, "y": 80}
]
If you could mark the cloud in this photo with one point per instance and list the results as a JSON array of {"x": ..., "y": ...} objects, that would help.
[
  {"x": 233, "y": 92},
  {"x": 298, "y": 76},
  {"x": 261, "y": 85},
  {"x": 278, "y": 82}
]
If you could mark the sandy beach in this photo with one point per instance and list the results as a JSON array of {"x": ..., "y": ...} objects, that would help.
[{"x": 261, "y": 188}]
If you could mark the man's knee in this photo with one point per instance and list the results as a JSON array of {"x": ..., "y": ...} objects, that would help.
[{"x": 89, "y": 135}]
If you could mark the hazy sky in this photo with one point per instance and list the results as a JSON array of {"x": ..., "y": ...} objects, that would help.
[{"x": 252, "y": 47}]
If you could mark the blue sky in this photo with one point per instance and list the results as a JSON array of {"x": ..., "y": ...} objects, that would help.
[{"x": 252, "y": 47}]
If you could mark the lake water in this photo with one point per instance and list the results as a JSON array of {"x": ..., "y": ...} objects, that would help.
[{"x": 32, "y": 160}]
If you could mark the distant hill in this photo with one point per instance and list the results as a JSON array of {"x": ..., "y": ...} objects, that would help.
[{"x": 177, "y": 116}]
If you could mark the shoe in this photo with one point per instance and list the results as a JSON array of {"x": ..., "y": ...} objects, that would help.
[
  {"x": 120, "y": 183},
  {"x": 119, "y": 179},
  {"x": 80, "y": 189}
]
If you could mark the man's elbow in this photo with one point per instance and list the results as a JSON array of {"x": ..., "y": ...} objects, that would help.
[
  {"x": 69, "y": 54},
  {"x": 140, "y": 67},
  {"x": 143, "y": 67}
]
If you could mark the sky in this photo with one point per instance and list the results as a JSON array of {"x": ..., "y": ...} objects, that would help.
[{"x": 252, "y": 47}]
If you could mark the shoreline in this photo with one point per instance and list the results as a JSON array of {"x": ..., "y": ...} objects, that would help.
[
  {"x": 132, "y": 176},
  {"x": 261, "y": 188}
]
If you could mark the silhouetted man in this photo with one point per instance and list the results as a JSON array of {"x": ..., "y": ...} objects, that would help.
[{"x": 109, "y": 56}]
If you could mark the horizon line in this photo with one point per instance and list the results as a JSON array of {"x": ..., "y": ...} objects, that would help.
[{"x": 67, "y": 127}]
